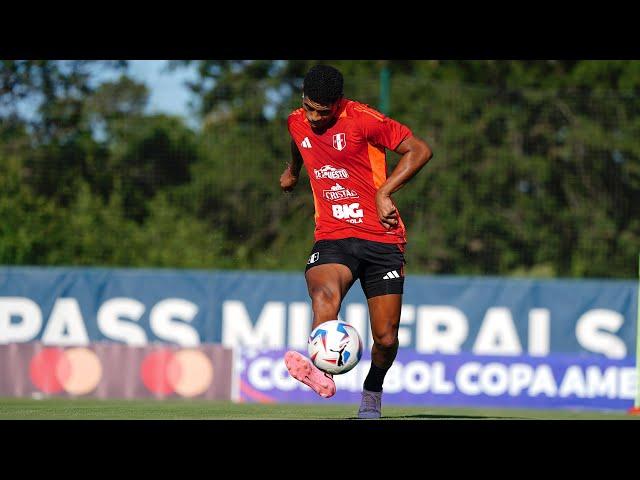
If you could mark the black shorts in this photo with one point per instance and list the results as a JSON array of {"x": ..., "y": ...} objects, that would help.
[{"x": 379, "y": 266}]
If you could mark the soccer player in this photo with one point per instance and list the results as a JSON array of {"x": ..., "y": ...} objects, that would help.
[{"x": 359, "y": 233}]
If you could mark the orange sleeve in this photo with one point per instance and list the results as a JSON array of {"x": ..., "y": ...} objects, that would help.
[{"x": 381, "y": 130}]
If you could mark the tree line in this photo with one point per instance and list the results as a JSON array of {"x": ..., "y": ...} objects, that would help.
[{"x": 536, "y": 167}]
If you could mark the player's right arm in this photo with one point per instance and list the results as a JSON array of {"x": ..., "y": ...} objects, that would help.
[{"x": 289, "y": 177}]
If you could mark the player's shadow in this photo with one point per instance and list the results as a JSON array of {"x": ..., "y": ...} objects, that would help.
[
  {"x": 432, "y": 416},
  {"x": 453, "y": 417}
]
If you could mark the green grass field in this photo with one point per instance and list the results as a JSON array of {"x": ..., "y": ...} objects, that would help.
[{"x": 92, "y": 409}]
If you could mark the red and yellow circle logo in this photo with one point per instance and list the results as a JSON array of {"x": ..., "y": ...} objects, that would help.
[
  {"x": 76, "y": 371},
  {"x": 186, "y": 372}
]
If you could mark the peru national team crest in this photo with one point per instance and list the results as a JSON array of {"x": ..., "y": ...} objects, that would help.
[{"x": 339, "y": 141}]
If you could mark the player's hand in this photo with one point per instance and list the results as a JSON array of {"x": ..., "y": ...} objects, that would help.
[
  {"x": 287, "y": 180},
  {"x": 387, "y": 212}
]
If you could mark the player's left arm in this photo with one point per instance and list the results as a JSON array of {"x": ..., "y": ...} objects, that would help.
[{"x": 415, "y": 155}]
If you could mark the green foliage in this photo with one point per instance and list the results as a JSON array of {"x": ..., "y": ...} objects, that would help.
[
  {"x": 95, "y": 232},
  {"x": 27, "y": 229},
  {"x": 171, "y": 237},
  {"x": 536, "y": 168}
]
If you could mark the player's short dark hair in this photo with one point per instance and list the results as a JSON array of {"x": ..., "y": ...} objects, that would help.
[{"x": 323, "y": 84}]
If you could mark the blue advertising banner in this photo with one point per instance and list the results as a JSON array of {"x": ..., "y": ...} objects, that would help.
[
  {"x": 463, "y": 380},
  {"x": 441, "y": 315}
]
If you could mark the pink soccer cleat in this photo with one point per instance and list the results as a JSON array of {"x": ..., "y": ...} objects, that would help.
[{"x": 306, "y": 372}]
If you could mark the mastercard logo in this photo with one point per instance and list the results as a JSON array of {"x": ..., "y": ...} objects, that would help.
[
  {"x": 77, "y": 370},
  {"x": 186, "y": 372}
]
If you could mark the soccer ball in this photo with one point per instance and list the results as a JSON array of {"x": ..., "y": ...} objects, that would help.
[{"x": 335, "y": 347}]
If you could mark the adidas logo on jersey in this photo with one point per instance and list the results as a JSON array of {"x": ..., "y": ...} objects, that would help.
[
  {"x": 390, "y": 275},
  {"x": 306, "y": 143}
]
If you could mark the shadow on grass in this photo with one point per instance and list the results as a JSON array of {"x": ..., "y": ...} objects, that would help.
[{"x": 427, "y": 416}]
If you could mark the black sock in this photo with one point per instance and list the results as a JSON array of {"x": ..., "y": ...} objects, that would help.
[{"x": 375, "y": 378}]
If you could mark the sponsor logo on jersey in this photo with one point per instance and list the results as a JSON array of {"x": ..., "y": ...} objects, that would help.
[
  {"x": 352, "y": 212},
  {"x": 338, "y": 192},
  {"x": 306, "y": 143},
  {"x": 331, "y": 172},
  {"x": 339, "y": 141}
]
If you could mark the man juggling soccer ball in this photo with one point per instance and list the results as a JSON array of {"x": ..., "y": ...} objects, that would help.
[{"x": 359, "y": 233}]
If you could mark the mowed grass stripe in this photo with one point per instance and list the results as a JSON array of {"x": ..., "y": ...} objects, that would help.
[{"x": 92, "y": 409}]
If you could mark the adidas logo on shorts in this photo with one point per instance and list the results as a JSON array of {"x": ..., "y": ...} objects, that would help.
[{"x": 390, "y": 275}]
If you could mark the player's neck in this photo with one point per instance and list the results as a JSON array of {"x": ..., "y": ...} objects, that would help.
[
  {"x": 320, "y": 131},
  {"x": 334, "y": 120}
]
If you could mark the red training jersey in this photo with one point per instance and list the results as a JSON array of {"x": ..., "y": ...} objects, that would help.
[{"x": 346, "y": 166}]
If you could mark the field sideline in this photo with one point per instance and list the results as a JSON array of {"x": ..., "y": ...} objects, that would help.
[{"x": 93, "y": 409}]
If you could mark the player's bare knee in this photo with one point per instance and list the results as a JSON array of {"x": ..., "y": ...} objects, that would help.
[
  {"x": 386, "y": 341},
  {"x": 324, "y": 298}
]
